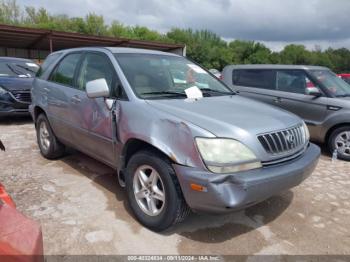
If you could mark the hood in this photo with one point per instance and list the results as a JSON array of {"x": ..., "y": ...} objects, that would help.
[
  {"x": 16, "y": 83},
  {"x": 228, "y": 116}
]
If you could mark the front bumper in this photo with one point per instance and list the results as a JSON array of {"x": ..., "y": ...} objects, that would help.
[{"x": 227, "y": 192}]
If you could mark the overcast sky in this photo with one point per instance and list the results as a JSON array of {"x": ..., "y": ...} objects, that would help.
[{"x": 274, "y": 22}]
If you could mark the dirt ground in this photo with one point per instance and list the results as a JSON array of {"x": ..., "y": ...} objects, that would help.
[{"x": 82, "y": 210}]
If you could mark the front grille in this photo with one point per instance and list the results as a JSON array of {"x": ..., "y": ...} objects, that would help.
[
  {"x": 22, "y": 96},
  {"x": 284, "y": 141}
]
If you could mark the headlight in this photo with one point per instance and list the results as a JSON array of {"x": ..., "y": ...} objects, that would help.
[
  {"x": 2, "y": 91},
  {"x": 223, "y": 155},
  {"x": 306, "y": 132}
]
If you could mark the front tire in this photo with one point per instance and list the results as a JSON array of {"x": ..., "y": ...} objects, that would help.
[
  {"x": 153, "y": 191},
  {"x": 50, "y": 147},
  {"x": 340, "y": 140}
]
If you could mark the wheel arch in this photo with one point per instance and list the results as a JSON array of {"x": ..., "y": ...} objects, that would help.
[
  {"x": 37, "y": 111},
  {"x": 334, "y": 127},
  {"x": 134, "y": 145}
]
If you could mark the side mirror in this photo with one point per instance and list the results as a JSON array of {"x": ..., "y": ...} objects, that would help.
[
  {"x": 313, "y": 91},
  {"x": 97, "y": 88}
]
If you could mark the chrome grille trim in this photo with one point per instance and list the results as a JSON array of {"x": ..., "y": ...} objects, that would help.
[
  {"x": 284, "y": 159},
  {"x": 22, "y": 96},
  {"x": 283, "y": 141}
]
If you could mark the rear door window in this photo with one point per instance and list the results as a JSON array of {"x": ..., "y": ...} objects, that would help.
[
  {"x": 64, "y": 72},
  {"x": 258, "y": 78}
]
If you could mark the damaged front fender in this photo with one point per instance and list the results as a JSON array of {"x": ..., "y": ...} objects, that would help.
[{"x": 167, "y": 133}]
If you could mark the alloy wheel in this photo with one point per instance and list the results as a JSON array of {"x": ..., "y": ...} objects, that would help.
[
  {"x": 44, "y": 136},
  {"x": 149, "y": 190},
  {"x": 342, "y": 143}
]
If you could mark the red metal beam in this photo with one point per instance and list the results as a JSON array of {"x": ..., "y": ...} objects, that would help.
[{"x": 38, "y": 40}]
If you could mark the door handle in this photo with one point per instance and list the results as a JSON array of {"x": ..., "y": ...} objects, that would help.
[
  {"x": 75, "y": 99},
  {"x": 46, "y": 89},
  {"x": 277, "y": 100}
]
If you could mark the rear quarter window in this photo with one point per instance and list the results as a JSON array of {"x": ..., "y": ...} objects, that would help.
[
  {"x": 259, "y": 78},
  {"x": 47, "y": 63}
]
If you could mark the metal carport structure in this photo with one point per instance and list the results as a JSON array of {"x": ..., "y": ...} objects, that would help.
[{"x": 36, "y": 43}]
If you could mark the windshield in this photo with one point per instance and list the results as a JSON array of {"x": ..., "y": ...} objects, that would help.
[
  {"x": 159, "y": 76},
  {"x": 18, "y": 69},
  {"x": 334, "y": 84}
]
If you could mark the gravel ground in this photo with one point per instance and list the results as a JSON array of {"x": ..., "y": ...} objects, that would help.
[{"x": 82, "y": 210}]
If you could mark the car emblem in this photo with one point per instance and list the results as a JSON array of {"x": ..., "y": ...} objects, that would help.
[{"x": 290, "y": 138}]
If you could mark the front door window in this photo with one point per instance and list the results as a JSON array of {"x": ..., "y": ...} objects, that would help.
[{"x": 294, "y": 81}]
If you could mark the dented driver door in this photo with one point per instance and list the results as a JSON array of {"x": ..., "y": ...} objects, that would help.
[{"x": 96, "y": 112}]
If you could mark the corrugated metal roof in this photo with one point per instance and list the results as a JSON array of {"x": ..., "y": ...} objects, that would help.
[{"x": 39, "y": 39}]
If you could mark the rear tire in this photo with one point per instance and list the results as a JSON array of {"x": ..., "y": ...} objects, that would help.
[
  {"x": 49, "y": 145},
  {"x": 340, "y": 140},
  {"x": 153, "y": 191}
]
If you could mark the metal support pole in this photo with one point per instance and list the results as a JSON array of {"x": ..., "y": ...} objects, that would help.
[{"x": 50, "y": 41}]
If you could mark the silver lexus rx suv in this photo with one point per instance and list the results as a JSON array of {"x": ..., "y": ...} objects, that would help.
[{"x": 178, "y": 138}]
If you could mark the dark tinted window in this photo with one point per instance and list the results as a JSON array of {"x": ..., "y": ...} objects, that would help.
[
  {"x": 64, "y": 73},
  {"x": 96, "y": 66},
  {"x": 259, "y": 78},
  {"x": 48, "y": 61}
]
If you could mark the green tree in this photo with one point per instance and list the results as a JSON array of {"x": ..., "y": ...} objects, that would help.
[
  {"x": 117, "y": 29},
  {"x": 295, "y": 54},
  {"x": 340, "y": 59},
  {"x": 260, "y": 54},
  {"x": 203, "y": 46},
  {"x": 95, "y": 25},
  {"x": 241, "y": 51},
  {"x": 275, "y": 58},
  {"x": 10, "y": 12}
]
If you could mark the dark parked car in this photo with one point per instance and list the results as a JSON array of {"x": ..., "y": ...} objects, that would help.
[
  {"x": 177, "y": 136},
  {"x": 314, "y": 93},
  {"x": 16, "y": 77}
]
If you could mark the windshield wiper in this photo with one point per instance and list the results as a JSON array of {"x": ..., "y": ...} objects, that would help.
[
  {"x": 217, "y": 91},
  {"x": 165, "y": 93}
]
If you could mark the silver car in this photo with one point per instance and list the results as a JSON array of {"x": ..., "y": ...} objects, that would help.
[
  {"x": 175, "y": 145},
  {"x": 314, "y": 93}
]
